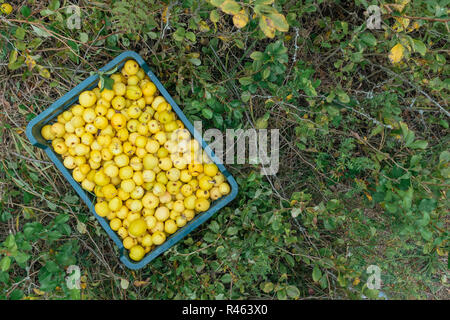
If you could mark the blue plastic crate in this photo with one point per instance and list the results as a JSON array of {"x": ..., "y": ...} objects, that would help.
[{"x": 33, "y": 133}]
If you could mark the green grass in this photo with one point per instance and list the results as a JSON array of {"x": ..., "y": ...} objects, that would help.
[{"x": 364, "y": 161}]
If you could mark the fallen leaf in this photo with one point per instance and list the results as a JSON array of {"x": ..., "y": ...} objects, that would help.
[
  {"x": 138, "y": 283},
  {"x": 38, "y": 292},
  {"x": 124, "y": 283}
]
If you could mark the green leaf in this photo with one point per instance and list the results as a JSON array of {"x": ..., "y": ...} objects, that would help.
[
  {"x": 295, "y": 212},
  {"x": 72, "y": 199},
  {"x": 179, "y": 34},
  {"x": 10, "y": 242},
  {"x": 419, "y": 144},
  {"x": 293, "y": 292},
  {"x": 226, "y": 278},
  {"x": 281, "y": 294},
  {"x": 62, "y": 218},
  {"x": 17, "y": 64},
  {"x": 407, "y": 199},
  {"x": 409, "y": 137},
  {"x": 266, "y": 73},
  {"x": 54, "y": 5},
  {"x": 195, "y": 61},
  {"x": 323, "y": 282},
  {"x": 262, "y": 9},
  {"x": 419, "y": 47},
  {"x": 230, "y": 7},
  {"x": 108, "y": 83},
  {"x": 217, "y": 3},
  {"x": 40, "y": 32},
  {"x": 191, "y": 36},
  {"x": 426, "y": 234},
  {"x": 316, "y": 274},
  {"x": 279, "y": 22},
  {"x": 444, "y": 157},
  {"x": 84, "y": 37},
  {"x": 258, "y": 2},
  {"x": 245, "y": 80},
  {"x": 245, "y": 96},
  {"x": 21, "y": 257},
  {"x": 17, "y": 294},
  {"x": 13, "y": 56},
  {"x": 214, "y": 16},
  {"x": 207, "y": 113},
  {"x": 5, "y": 263},
  {"x": 25, "y": 11},
  {"x": 343, "y": 97},
  {"x": 257, "y": 55},
  {"x": 20, "y": 33},
  {"x": 425, "y": 220},
  {"x": 46, "y": 12},
  {"x": 267, "y": 26},
  {"x": 427, "y": 205},
  {"x": 369, "y": 39},
  {"x": 267, "y": 287},
  {"x": 231, "y": 231}
]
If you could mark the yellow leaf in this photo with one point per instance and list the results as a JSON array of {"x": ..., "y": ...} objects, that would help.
[
  {"x": 356, "y": 282},
  {"x": 441, "y": 252},
  {"x": 279, "y": 22},
  {"x": 30, "y": 62},
  {"x": 396, "y": 53},
  {"x": 27, "y": 211},
  {"x": 240, "y": 20},
  {"x": 203, "y": 26},
  {"x": 400, "y": 24},
  {"x": 164, "y": 15},
  {"x": 139, "y": 283},
  {"x": 224, "y": 39},
  {"x": 44, "y": 72},
  {"x": 267, "y": 26},
  {"x": 214, "y": 16},
  {"x": 38, "y": 292},
  {"x": 401, "y": 4},
  {"x": 415, "y": 26}
]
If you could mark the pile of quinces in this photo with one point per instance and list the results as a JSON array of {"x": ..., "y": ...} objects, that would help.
[{"x": 127, "y": 146}]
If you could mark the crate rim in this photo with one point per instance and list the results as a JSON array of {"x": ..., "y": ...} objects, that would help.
[{"x": 181, "y": 233}]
